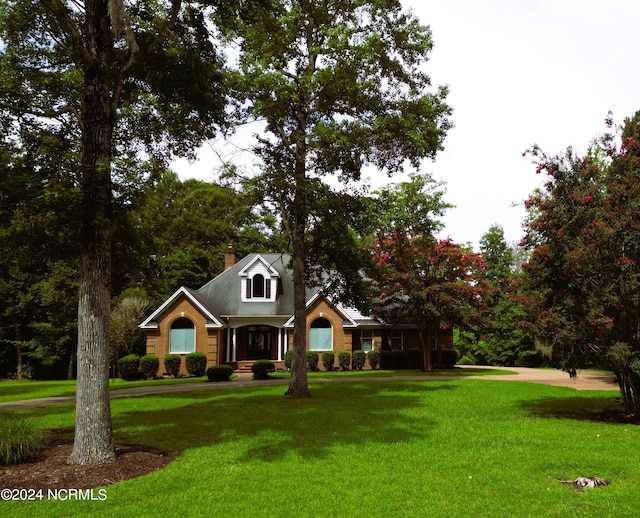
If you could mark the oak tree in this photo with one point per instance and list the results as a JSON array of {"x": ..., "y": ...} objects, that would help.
[{"x": 129, "y": 80}]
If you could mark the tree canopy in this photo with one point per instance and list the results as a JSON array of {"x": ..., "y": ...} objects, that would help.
[
  {"x": 338, "y": 85},
  {"x": 583, "y": 231},
  {"x": 127, "y": 81},
  {"x": 432, "y": 284}
]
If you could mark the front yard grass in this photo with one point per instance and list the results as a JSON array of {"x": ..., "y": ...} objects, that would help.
[
  {"x": 11, "y": 390},
  {"x": 365, "y": 448}
]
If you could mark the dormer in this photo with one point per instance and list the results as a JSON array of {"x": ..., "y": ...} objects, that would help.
[{"x": 258, "y": 281}]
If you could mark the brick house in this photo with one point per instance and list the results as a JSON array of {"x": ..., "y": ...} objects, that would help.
[{"x": 246, "y": 313}]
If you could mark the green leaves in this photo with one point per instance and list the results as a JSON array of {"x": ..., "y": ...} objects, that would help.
[
  {"x": 347, "y": 75},
  {"x": 583, "y": 231}
]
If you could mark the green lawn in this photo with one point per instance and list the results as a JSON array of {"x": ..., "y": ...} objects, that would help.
[
  {"x": 11, "y": 390},
  {"x": 367, "y": 448}
]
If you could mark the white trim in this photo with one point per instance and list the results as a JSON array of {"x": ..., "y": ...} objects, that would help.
[
  {"x": 309, "y": 331},
  {"x": 272, "y": 271},
  {"x": 341, "y": 310},
  {"x": 195, "y": 340},
  {"x": 234, "y": 347},
  {"x": 150, "y": 322}
]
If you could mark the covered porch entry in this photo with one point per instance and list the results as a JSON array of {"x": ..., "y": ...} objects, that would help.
[{"x": 256, "y": 342}]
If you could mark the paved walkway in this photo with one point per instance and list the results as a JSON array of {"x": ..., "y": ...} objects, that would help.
[{"x": 584, "y": 381}]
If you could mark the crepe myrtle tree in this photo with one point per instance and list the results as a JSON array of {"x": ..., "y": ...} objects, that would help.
[
  {"x": 432, "y": 284},
  {"x": 338, "y": 86},
  {"x": 583, "y": 279}
]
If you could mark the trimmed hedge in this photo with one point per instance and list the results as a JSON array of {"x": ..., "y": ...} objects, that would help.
[
  {"x": 357, "y": 360},
  {"x": 288, "y": 359},
  {"x": 312, "y": 360},
  {"x": 386, "y": 360},
  {"x": 328, "y": 359},
  {"x": 149, "y": 365},
  {"x": 414, "y": 358},
  {"x": 344, "y": 360},
  {"x": 373, "y": 358},
  {"x": 262, "y": 368},
  {"x": 128, "y": 367},
  {"x": 398, "y": 359},
  {"x": 196, "y": 363},
  {"x": 219, "y": 372},
  {"x": 172, "y": 364}
]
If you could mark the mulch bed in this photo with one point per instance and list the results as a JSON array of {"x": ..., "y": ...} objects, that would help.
[{"x": 49, "y": 470}]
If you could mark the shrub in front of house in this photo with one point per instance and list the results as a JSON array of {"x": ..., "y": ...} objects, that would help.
[
  {"x": 288, "y": 359},
  {"x": 373, "y": 358},
  {"x": 328, "y": 359},
  {"x": 398, "y": 359},
  {"x": 414, "y": 358},
  {"x": 20, "y": 441},
  {"x": 149, "y": 365},
  {"x": 386, "y": 360},
  {"x": 219, "y": 372},
  {"x": 357, "y": 360},
  {"x": 128, "y": 367},
  {"x": 172, "y": 364},
  {"x": 262, "y": 368},
  {"x": 196, "y": 363},
  {"x": 312, "y": 360},
  {"x": 344, "y": 360},
  {"x": 449, "y": 357}
]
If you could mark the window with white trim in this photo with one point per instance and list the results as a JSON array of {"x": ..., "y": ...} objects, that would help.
[
  {"x": 320, "y": 335},
  {"x": 258, "y": 288},
  {"x": 367, "y": 340},
  {"x": 182, "y": 337}
]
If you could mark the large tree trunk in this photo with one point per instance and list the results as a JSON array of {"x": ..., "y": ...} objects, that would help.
[
  {"x": 93, "y": 442},
  {"x": 298, "y": 386}
]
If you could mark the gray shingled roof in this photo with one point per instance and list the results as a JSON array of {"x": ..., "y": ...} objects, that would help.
[{"x": 222, "y": 295}]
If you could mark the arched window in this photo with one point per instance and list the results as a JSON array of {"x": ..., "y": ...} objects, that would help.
[
  {"x": 258, "y": 286},
  {"x": 182, "y": 337},
  {"x": 320, "y": 335}
]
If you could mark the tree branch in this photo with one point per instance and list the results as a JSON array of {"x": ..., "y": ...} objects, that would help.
[
  {"x": 137, "y": 57},
  {"x": 60, "y": 11}
]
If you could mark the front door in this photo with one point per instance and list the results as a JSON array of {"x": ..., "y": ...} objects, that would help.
[{"x": 259, "y": 346}]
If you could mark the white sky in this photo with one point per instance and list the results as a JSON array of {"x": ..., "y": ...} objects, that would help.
[{"x": 520, "y": 73}]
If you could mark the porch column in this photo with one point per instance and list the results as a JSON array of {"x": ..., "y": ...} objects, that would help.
[
  {"x": 279, "y": 345},
  {"x": 234, "y": 346}
]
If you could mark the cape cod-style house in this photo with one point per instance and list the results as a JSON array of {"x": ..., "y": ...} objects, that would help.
[{"x": 246, "y": 313}]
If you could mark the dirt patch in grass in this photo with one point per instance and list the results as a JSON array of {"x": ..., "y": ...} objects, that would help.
[{"x": 49, "y": 470}]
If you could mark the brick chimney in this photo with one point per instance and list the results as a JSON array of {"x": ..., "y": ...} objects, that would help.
[{"x": 229, "y": 257}]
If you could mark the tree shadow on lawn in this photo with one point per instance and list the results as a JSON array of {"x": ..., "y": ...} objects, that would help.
[
  {"x": 270, "y": 426},
  {"x": 591, "y": 407}
]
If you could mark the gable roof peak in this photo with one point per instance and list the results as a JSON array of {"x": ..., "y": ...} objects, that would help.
[{"x": 258, "y": 258}]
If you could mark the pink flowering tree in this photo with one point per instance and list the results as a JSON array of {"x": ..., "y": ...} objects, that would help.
[
  {"x": 583, "y": 278},
  {"x": 432, "y": 284}
]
